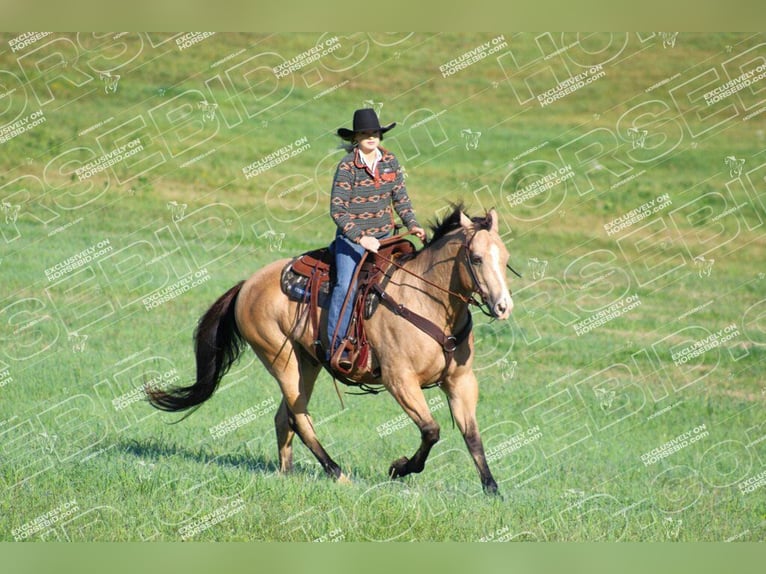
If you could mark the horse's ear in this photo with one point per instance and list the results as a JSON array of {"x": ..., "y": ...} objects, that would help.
[
  {"x": 493, "y": 218},
  {"x": 466, "y": 222}
]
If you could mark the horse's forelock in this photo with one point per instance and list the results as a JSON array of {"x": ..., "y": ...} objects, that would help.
[{"x": 480, "y": 223}]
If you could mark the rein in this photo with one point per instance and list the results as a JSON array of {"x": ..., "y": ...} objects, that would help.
[
  {"x": 460, "y": 296},
  {"x": 465, "y": 299},
  {"x": 482, "y": 305}
]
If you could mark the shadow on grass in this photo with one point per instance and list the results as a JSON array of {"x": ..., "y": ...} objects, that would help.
[
  {"x": 151, "y": 449},
  {"x": 155, "y": 450}
]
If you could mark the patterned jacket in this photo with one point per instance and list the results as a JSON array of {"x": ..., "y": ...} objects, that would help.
[{"x": 360, "y": 202}]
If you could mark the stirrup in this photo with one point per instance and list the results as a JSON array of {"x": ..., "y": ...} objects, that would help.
[{"x": 343, "y": 358}]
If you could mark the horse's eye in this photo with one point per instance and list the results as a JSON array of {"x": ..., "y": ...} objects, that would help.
[{"x": 476, "y": 259}]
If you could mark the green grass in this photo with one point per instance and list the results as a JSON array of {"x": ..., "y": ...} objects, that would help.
[{"x": 600, "y": 400}]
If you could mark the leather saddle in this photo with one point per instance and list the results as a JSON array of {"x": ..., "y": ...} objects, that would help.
[{"x": 309, "y": 278}]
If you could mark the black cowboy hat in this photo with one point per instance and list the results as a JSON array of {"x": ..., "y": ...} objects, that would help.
[{"x": 364, "y": 120}]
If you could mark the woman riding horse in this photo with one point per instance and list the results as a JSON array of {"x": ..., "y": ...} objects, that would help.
[
  {"x": 367, "y": 181},
  {"x": 421, "y": 336}
]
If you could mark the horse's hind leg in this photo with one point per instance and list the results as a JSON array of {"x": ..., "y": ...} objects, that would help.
[
  {"x": 296, "y": 379},
  {"x": 284, "y": 421},
  {"x": 410, "y": 397}
]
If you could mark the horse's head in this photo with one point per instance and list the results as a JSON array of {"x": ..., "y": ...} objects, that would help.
[{"x": 486, "y": 259}]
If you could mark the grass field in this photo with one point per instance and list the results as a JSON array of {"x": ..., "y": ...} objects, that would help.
[{"x": 623, "y": 400}]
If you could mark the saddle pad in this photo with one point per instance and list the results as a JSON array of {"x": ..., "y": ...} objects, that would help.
[{"x": 297, "y": 288}]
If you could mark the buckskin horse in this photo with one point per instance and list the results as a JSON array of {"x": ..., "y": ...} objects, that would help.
[{"x": 465, "y": 257}]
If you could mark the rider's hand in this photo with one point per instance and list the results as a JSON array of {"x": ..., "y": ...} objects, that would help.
[
  {"x": 419, "y": 232},
  {"x": 370, "y": 243}
]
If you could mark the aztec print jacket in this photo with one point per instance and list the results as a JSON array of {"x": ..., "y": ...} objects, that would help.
[{"x": 360, "y": 202}]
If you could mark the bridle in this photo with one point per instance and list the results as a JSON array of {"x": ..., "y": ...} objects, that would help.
[{"x": 482, "y": 305}]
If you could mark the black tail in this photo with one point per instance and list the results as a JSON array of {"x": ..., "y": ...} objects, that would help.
[{"x": 217, "y": 344}]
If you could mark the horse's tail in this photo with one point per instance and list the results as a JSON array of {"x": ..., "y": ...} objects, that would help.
[{"x": 217, "y": 345}]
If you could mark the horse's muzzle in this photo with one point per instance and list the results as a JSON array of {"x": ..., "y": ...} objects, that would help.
[{"x": 502, "y": 309}]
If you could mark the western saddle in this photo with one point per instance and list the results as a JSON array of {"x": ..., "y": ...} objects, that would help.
[{"x": 308, "y": 279}]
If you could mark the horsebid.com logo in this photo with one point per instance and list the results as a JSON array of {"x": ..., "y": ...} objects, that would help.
[{"x": 571, "y": 85}]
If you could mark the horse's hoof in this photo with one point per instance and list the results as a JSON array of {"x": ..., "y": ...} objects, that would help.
[
  {"x": 491, "y": 489},
  {"x": 343, "y": 479},
  {"x": 398, "y": 468}
]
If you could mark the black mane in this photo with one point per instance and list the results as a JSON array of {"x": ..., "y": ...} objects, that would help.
[{"x": 442, "y": 227}]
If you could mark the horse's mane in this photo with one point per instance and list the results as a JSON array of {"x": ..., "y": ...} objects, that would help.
[{"x": 441, "y": 227}]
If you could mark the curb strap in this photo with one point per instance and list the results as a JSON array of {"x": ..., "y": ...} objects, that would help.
[{"x": 448, "y": 342}]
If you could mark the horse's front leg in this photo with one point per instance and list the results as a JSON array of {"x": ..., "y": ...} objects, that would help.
[
  {"x": 462, "y": 391},
  {"x": 410, "y": 397}
]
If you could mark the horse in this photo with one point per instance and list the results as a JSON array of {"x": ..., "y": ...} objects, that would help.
[{"x": 464, "y": 258}]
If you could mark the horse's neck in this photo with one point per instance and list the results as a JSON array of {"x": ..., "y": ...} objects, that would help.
[{"x": 434, "y": 273}]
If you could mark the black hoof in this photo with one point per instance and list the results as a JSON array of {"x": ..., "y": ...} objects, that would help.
[
  {"x": 398, "y": 468},
  {"x": 491, "y": 489}
]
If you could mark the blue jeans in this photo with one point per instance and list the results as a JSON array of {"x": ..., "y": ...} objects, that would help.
[{"x": 347, "y": 256}]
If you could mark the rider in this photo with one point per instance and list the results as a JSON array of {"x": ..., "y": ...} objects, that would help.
[{"x": 367, "y": 183}]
